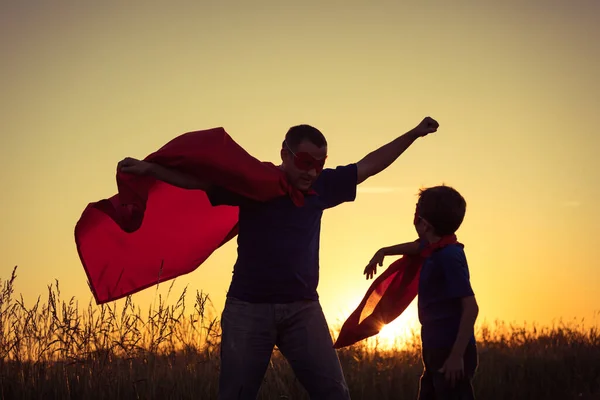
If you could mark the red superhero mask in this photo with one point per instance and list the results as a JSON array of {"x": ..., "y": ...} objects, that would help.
[{"x": 306, "y": 162}]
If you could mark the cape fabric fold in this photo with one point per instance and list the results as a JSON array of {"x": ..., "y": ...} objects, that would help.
[
  {"x": 387, "y": 297},
  {"x": 151, "y": 232}
]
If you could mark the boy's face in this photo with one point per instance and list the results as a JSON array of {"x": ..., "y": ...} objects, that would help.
[
  {"x": 304, "y": 165},
  {"x": 421, "y": 225}
]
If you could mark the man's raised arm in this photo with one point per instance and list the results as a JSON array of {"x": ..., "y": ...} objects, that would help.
[{"x": 378, "y": 160}]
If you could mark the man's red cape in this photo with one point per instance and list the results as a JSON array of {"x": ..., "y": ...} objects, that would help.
[
  {"x": 387, "y": 297},
  {"x": 151, "y": 232}
]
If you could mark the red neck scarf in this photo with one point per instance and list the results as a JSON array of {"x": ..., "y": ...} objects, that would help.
[
  {"x": 151, "y": 232},
  {"x": 388, "y": 296}
]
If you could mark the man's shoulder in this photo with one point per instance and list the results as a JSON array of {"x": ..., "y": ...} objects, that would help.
[
  {"x": 341, "y": 173},
  {"x": 340, "y": 169}
]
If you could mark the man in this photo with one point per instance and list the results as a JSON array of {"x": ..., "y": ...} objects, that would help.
[{"x": 272, "y": 299}]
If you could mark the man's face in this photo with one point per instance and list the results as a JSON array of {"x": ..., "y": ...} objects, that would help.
[{"x": 303, "y": 165}]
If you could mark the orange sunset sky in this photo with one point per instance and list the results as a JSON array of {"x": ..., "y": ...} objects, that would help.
[{"x": 514, "y": 85}]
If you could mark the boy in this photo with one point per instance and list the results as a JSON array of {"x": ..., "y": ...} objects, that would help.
[{"x": 446, "y": 302}]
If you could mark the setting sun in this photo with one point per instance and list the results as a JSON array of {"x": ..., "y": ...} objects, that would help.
[
  {"x": 400, "y": 333},
  {"x": 402, "y": 329}
]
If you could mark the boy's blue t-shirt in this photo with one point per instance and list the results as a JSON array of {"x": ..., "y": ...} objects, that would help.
[
  {"x": 444, "y": 280},
  {"x": 278, "y": 242}
]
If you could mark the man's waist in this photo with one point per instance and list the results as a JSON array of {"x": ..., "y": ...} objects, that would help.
[
  {"x": 273, "y": 260},
  {"x": 276, "y": 272},
  {"x": 272, "y": 297}
]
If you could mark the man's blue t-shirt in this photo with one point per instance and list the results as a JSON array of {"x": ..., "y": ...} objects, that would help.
[
  {"x": 278, "y": 242},
  {"x": 444, "y": 280}
]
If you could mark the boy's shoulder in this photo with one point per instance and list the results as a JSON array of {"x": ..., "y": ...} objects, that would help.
[
  {"x": 453, "y": 253},
  {"x": 451, "y": 249},
  {"x": 446, "y": 251}
]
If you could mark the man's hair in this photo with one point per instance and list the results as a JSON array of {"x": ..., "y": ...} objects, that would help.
[
  {"x": 443, "y": 207},
  {"x": 300, "y": 133}
]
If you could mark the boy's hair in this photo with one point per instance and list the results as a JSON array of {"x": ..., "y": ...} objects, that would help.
[
  {"x": 443, "y": 207},
  {"x": 300, "y": 133}
]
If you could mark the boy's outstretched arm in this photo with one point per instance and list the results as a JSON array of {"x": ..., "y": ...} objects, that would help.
[
  {"x": 404, "y": 249},
  {"x": 378, "y": 160}
]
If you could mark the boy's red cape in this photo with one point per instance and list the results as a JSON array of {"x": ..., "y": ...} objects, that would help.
[
  {"x": 387, "y": 297},
  {"x": 150, "y": 232}
]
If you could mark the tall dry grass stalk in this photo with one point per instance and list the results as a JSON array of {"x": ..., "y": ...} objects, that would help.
[{"x": 57, "y": 350}]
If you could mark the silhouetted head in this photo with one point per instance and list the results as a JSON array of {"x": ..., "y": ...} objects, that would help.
[
  {"x": 303, "y": 154},
  {"x": 440, "y": 211}
]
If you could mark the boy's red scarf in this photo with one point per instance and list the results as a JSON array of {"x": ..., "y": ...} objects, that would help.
[
  {"x": 387, "y": 297},
  {"x": 151, "y": 232}
]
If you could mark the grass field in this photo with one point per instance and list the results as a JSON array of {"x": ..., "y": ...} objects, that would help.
[{"x": 56, "y": 349}]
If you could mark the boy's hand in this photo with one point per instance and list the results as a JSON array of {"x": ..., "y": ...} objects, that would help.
[
  {"x": 132, "y": 166},
  {"x": 371, "y": 268},
  {"x": 453, "y": 369},
  {"x": 427, "y": 126}
]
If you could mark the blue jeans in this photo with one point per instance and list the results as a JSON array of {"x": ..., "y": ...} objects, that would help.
[{"x": 299, "y": 329}]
